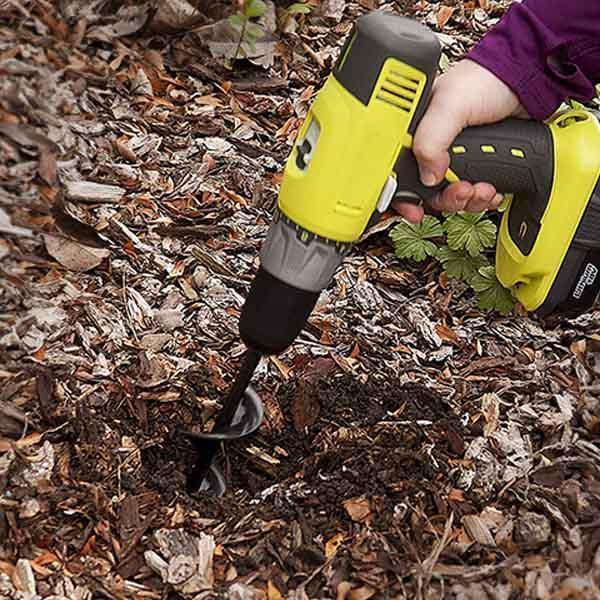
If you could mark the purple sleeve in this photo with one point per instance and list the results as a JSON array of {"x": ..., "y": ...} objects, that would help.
[{"x": 545, "y": 51}]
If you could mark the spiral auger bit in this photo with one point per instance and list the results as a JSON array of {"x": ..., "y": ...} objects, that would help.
[{"x": 241, "y": 415}]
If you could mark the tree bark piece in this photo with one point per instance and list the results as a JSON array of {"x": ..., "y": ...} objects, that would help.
[{"x": 91, "y": 192}]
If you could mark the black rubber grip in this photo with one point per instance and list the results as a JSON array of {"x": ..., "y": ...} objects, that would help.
[{"x": 516, "y": 156}]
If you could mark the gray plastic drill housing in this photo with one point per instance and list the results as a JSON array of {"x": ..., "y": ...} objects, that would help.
[{"x": 307, "y": 265}]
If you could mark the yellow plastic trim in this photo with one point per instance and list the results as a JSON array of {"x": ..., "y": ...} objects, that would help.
[
  {"x": 488, "y": 149},
  {"x": 340, "y": 66},
  {"x": 517, "y": 152},
  {"x": 458, "y": 149},
  {"x": 576, "y": 135},
  {"x": 335, "y": 196},
  {"x": 451, "y": 176}
]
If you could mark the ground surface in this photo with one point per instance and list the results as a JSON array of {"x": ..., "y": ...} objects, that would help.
[{"x": 412, "y": 446}]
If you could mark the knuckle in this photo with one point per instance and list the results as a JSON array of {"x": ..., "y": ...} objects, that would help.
[{"x": 426, "y": 151}]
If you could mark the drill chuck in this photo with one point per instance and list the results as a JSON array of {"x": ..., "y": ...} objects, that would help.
[
  {"x": 295, "y": 266},
  {"x": 274, "y": 313}
]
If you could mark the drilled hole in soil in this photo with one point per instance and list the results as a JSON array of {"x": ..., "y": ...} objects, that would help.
[
  {"x": 322, "y": 443},
  {"x": 338, "y": 439}
]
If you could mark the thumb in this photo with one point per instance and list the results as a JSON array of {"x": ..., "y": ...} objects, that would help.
[{"x": 437, "y": 130}]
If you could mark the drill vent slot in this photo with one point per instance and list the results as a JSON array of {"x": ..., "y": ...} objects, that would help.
[{"x": 398, "y": 90}]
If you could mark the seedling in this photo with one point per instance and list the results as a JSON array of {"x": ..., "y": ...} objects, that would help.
[{"x": 249, "y": 31}]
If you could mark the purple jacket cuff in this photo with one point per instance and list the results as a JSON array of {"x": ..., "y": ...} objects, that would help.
[{"x": 542, "y": 61}]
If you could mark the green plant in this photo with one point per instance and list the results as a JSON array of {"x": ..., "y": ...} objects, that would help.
[
  {"x": 241, "y": 21},
  {"x": 491, "y": 294},
  {"x": 414, "y": 241},
  {"x": 287, "y": 21},
  {"x": 298, "y": 8},
  {"x": 468, "y": 237},
  {"x": 459, "y": 264},
  {"x": 470, "y": 231}
]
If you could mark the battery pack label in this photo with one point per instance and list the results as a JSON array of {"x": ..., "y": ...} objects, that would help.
[
  {"x": 586, "y": 284},
  {"x": 588, "y": 277}
]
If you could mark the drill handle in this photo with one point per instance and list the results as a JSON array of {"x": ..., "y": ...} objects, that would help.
[{"x": 516, "y": 156}]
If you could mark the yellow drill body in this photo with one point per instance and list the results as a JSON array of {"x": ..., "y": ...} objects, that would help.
[{"x": 353, "y": 155}]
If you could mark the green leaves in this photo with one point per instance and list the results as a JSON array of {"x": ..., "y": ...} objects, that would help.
[
  {"x": 470, "y": 232},
  {"x": 251, "y": 9},
  {"x": 490, "y": 293},
  {"x": 237, "y": 21},
  {"x": 253, "y": 33},
  {"x": 298, "y": 8},
  {"x": 468, "y": 236},
  {"x": 249, "y": 32},
  {"x": 254, "y": 8},
  {"x": 459, "y": 264},
  {"x": 413, "y": 241}
]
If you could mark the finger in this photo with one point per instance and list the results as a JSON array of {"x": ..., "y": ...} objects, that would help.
[
  {"x": 409, "y": 211},
  {"x": 455, "y": 197},
  {"x": 437, "y": 130},
  {"x": 497, "y": 201},
  {"x": 483, "y": 195}
]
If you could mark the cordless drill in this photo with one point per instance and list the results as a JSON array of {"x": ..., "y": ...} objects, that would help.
[
  {"x": 353, "y": 155},
  {"x": 351, "y": 158}
]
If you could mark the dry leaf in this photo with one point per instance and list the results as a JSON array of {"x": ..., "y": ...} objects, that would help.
[
  {"x": 153, "y": 371},
  {"x": 141, "y": 85},
  {"x": 490, "y": 407},
  {"x": 578, "y": 348},
  {"x": 31, "y": 440},
  {"x": 223, "y": 42},
  {"x": 456, "y": 495},
  {"x": 361, "y": 593},
  {"x": 342, "y": 590},
  {"x": 443, "y": 15},
  {"x": 174, "y": 15},
  {"x": 272, "y": 592},
  {"x": 47, "y": 167},
  {"x": 73, "y": 255},
  {"x": 318, "y": 368},
  {"x": 358, "y": 509},
  {"x": 305, "y": 407},
  {"x": 122, "y": 146},
  {"x": 127, "y": 20},
  {"x": 447, "y": 334},
  {"x": 74, "y": 228},
  {"x": 6, "y": 568},
  {"x": 332, "y": 544},
  {"x": 27, "y": 137},
  {"x": 154, "y": 58},
  {"x": 478, "y": 531}
]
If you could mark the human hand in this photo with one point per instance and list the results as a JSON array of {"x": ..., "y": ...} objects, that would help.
[{"x": 468, "y": 94}]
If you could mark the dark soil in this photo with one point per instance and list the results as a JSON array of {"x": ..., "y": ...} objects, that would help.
[
  {"x": 368, "y": 439},
  {"x": 384, "y": 440},
  {"x": 386, "y": 443}
]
